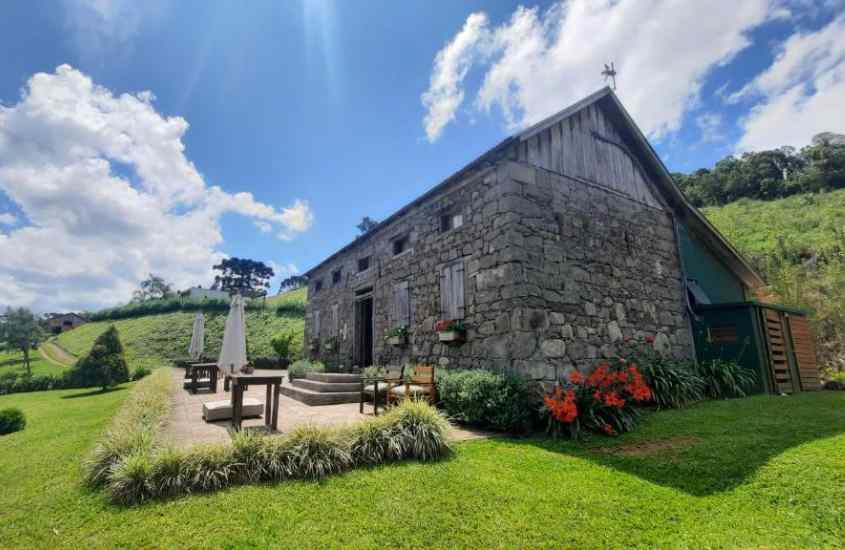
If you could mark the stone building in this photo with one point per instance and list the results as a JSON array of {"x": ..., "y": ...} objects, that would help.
[
  {"x": 551, "y": 248},
  {"x": 63, "y": 322}
]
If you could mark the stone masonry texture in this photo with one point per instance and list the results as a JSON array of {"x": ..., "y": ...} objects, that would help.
[{"x": 557, "y": 272}]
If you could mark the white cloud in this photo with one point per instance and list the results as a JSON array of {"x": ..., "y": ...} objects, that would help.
[
  {"x": 264, "y": 227},
  {"x": 105, "y": 27},
  {"x": 445, "y": 94},
  {"x": 710, "y": 127},
  {"x": 7, "y": 218},
  {"x": 801, "y": 93},
  {"x": 110, "y": 197},
  {"x": 537, "y": 62}
]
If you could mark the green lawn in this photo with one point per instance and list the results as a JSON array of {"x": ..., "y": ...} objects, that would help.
[
  {"x": 759, "y": 472},
  {"x": 153, "y": 339},
  {"x": 12, "y": 361}
]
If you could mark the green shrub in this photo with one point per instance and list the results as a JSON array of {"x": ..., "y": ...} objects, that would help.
[
  {"x": 140, "y": 372},
  {"x": 265, "y": 363},
  {"x": 302, "y": 367},
  {"x": 835, "y": 380},
  {"x": 17, "y": 383},
  {"x": 282, "y": 344},
  {"x": 291, "y": 309},
  {"x": 725, "y": 379},
  {"x": 374, "y": 372},
  {"x": 487, "y": 399},
  {"x": 170, "y": 305},
  {"x": 133, "y": 429},
  {"x": 412, "y": 430},
  {"x": 105, "y": 365},
  {"x": 11, "y": 420}
]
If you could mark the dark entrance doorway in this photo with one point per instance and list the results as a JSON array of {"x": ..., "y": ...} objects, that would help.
[{"x": 364, "y": 331}]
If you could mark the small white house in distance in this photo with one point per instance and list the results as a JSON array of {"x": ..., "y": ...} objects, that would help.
[{"x": 200, "y": 293}]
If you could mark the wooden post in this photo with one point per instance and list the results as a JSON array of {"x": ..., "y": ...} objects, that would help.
[{"x": 276, "y": 391}]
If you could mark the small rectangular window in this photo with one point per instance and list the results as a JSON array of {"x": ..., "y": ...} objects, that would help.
[
  {"x": 363, "y": 264},
  {"x": 450, "y": 221},
  {"x": 400, "y": 245},
  {"x": 318, "y": 286},
  {"x": 336, "y": 276},
  {"x": 725, "y": 334}
]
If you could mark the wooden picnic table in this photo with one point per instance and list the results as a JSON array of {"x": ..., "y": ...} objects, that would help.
[
  {"x": 240, "y": 382},
  {"x": 194, "y": 371}
]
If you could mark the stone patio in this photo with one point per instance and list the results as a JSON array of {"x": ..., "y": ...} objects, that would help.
[{"x": 186, "y": 426}]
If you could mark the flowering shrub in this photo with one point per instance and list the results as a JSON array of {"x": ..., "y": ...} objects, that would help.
[
  {"x": 602, "y": 402},
  {"x": 448, "y": 325}
]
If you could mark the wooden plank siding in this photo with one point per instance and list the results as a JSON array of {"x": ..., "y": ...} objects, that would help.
[
  {"x": 588, "y": 145},
  {"x": 804, "y": 348}
]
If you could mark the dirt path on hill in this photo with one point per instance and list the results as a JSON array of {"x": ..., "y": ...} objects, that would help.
[{"x": 56, "y": 354}]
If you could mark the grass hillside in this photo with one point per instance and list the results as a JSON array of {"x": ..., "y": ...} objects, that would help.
[
  {"x": 803, "y": 224},
  {"x": 153, "y": 339},
  {"x": 798, "y": 245},
  {"x": 11, "y": 362}
]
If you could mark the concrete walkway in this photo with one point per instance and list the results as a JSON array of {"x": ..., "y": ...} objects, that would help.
[{"x": 186, "y": 427}]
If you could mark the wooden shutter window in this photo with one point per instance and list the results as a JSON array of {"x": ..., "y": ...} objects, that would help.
[
  {"x": 452, "y": 291},
  {"x": 316, "y": 324},
  {"x": 334, "y": 319}
]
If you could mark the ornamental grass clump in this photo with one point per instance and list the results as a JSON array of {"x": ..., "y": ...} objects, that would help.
[
  {"x": 673, "y": 383},
  {"x": 133, "y": 430},
  {"x": 725, "y": 379},
  {"x": 314, "y": 453},
  {"x": 603, "y": 402}
]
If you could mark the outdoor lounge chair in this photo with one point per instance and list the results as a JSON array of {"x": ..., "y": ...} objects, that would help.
[
  {"x": 375, "y": 389},
  {"x": 420, "y": 385}
]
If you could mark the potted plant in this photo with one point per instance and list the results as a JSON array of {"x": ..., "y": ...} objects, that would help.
[
  {"x": 450, "y": 331},
  {"x": 397, "y": 336}
]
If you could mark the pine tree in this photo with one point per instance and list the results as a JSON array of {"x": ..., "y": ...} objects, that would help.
[{"x": 105, "y": 365}]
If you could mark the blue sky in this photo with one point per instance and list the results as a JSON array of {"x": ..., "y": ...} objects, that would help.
[{"x": 324, "y": 112}]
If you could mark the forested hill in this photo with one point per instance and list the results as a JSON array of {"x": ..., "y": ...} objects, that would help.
[{"x": 768, "y": 175}]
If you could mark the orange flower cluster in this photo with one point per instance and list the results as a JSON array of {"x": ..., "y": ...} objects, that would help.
[
  {"x": 608, "y": 386},
  {"x": 561, "y": 405}
]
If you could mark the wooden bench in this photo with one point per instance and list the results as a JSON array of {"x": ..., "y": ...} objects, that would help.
[
  {"x": 419, "y": 385},
  {"x": 375, "y": 389}
]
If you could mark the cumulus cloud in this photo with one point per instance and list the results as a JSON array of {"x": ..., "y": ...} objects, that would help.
[
  {"x": 99, "y": 27},
  {"x": 800, "y": 94},
  {"x": 538, "y": 62},
  {"x": 109, "y": 196},
  {"x": 445, "y": 93},
  {"x": 7, "y": 218}
]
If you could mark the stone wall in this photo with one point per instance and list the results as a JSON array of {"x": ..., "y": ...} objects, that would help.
[{"x": 557, "y": 271}]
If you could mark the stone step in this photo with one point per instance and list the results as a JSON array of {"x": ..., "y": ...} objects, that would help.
[
  {"x": 333, "y": 377},
  {"x": 325, "y": 387},
  {"x": 310, "y": 397}
]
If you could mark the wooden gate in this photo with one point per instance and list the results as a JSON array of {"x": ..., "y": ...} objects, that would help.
[
  {"x": 804, "y": 351},
  {"x": 779, "y": 365}
]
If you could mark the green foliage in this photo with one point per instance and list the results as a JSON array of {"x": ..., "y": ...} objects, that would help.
[
  {"x": 282, "y": 344},
  {"x": 725, "y": 379},
  {"x": 767, "y": 175},
  {"x": 245, "y": 276},
  {"x": 373, "y": 371},
  {"x": 105, "y": 365},
  {"x": 169, "y": 305},
  {"x": 298, "y": 369},
  {"x": 11, "y": 420},
  {"x": 133, "y": 430},
  {"x": 20, "y": 330},
  {"x": 673, "y": 383},
  {"x": 140, "y": 372},
  {"x": 483, "y": 398},
  {"x": 133, "y": 469}
]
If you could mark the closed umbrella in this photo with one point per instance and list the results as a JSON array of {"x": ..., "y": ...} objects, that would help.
[
  {"x": 233, "y": 351},
  {"x": 197, "y": 337}
]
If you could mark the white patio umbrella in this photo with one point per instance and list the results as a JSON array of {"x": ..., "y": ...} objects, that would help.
[
  {"x": 197, "y": 337},
  {"x": 233, "y": 351}
]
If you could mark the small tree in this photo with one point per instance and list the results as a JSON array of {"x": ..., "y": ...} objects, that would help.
[
  {"x": 367, "y": 224},
  {"x": 293, "y": 282},
  {"x": 21, "y": 330},
  {"x": 105, "y": 365},
  {"x": 282, "y": 344},
  {"x": 152, "y": 288}
]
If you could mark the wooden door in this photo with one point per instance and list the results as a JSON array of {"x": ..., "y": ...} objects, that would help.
[
  {"x": 804, "y": 350},
  {"x": 783, "y": 379}
]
